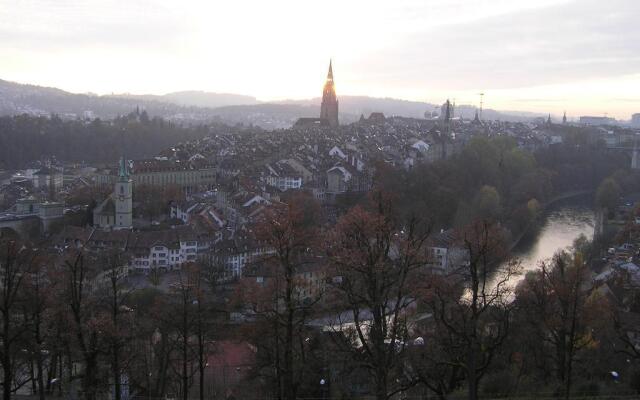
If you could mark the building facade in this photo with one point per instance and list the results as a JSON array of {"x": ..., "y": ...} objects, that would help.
[
  {"x": 191, "y": 176},
  {"x": 116, "y": 211}
]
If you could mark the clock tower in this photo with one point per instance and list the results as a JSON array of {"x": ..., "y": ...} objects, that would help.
[{"x": 123, "y": 198}]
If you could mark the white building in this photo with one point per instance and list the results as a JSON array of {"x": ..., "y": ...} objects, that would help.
[
  {"x": 283, "y": 176},
  {"x": 445, "y": 254}
]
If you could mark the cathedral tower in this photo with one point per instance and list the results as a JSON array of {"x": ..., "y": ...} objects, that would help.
[
  {"x": 329, "y": 106},
  {"x": 123, "y": 198}
]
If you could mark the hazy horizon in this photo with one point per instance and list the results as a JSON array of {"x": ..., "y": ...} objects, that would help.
[{"x": 542, "y": 56}]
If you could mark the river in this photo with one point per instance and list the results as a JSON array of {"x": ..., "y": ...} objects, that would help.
[{"x": 560, "y": 225}]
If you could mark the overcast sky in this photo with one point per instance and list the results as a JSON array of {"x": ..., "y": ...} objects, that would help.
[{"x": 582, "y": 56}]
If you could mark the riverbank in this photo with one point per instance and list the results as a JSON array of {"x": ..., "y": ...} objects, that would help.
[
  {"x": 544, "y": 208},
  {"x": 556, "y": 229}
]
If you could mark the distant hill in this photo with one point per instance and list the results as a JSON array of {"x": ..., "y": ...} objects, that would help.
[
  {"x": 16, "y": 98},
  {"x": 195, "y": 98},
  {"x": 266, "y": 115},
  {"x": 199, "y": 107},
  {"x": 364, "y": 105},
  {"x": 357, "y": 105}
]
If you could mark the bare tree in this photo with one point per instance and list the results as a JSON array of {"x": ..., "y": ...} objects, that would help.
[
  {"x": 205, "y": 308},
  {"x": 375, "y": 261},
  {"x": 39, "y": 304},
  {"x": 176, "y": 313},
  {"x": 285, "y": 301},
  {"x": 86, "y": 326},
  {"x": 472, "y": 304},
  {"x": 15, "y": 263},
  {"x": 118, "y": 322},
  {"x": 557, "y": 300}
]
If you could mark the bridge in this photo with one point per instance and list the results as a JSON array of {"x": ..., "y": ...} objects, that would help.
[
  {"x": 21, "y": 225},
  {"x": 30, "y": 217},
  {"x": 635, "y": 154}
]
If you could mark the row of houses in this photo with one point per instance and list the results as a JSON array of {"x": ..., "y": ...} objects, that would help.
[{"x": 140, "y": 251}]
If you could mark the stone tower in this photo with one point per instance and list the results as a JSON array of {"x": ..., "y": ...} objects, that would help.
[
  {"x": 329, "y": 106},
  {"x": 123, "y": 197}
]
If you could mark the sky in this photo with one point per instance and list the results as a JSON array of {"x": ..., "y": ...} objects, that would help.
[{"x": 548, "y": 56}]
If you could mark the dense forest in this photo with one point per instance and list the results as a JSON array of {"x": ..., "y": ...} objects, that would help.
[
  {"x": 24, "y": 139},
  {"x": 494, "y": 178}
]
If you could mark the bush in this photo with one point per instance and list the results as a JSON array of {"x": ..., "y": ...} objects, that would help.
[
  {"x": 589, "y": 388},
  {"x": 499, "y": 384}
]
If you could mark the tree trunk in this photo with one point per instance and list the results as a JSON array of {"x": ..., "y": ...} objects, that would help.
[
  {"x": 185, "y": 378},
  {"x": 88, "y": 382},
  {"x": 32, "y": 376},
  {"x": 40, "y": 371},
  {"x": 116, "y": 373},
  {"x": 7, "y": 376},
  {"x": 472, "y": 379},
  {"x": 115, "y": 348},
  {"x": 51, "y": 373},
  {"x": 201, "y": 357},
  {"x": 278, "y": 368},
  {"x": 39, "y": 361},
  {"x": 381, "y": 383},
  {"x": 289, "y": 389},
  {"x": 7, "y": 368}
]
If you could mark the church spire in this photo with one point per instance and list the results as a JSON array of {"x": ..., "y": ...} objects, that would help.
[
  {"x": 447, "y": 114},
  {"x": 476, "y": 119},
  {"x": 123, "y": 174},
  {"x": 329, "y": 105}
]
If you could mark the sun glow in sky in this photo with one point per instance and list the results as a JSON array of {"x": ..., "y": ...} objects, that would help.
[{"x": 582, "y": 56}]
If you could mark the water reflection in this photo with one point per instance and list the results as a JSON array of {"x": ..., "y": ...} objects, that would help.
[{"x": 560, "y": 227}]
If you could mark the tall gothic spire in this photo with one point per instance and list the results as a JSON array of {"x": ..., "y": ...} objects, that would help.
[
  {"x": 447, "y": 114},
  {"x": 329, "y": 105}
]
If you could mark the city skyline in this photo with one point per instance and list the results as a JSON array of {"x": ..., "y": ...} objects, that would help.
[{"x": 545, "y": 56}]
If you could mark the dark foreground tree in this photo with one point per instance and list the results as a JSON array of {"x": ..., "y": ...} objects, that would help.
[
  {"x": 561, "y": 308},
  {"x": 375, "y": 259},
  {"x": 471, "y": 304},
  {"x": 86, "y": 325},
  {"x": 285, "y": 299},
  {"x": 15, "y": 264}
]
